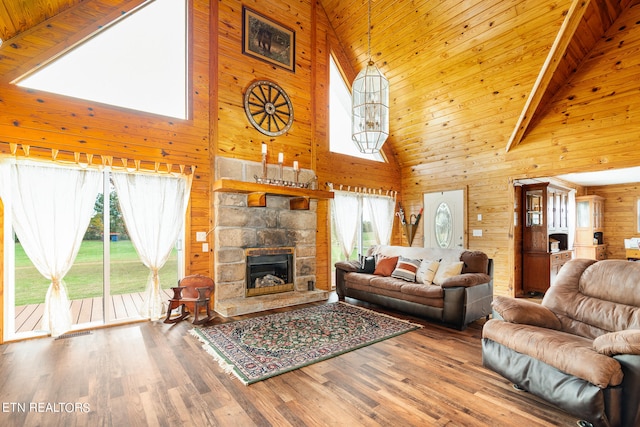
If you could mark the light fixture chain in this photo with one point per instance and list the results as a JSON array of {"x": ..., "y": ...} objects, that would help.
[{"x": 369, "y": 32}]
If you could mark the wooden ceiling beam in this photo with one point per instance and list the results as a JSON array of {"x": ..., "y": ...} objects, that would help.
[{"x": 554, "y": 58}]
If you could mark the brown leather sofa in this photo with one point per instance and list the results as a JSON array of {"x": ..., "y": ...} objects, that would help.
[
  {"x": 580, "y": 348},
  {"x": 457, "y": 301}
]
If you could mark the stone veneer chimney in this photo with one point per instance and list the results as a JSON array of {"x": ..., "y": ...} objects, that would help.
[{"x": 238, "y": 226}]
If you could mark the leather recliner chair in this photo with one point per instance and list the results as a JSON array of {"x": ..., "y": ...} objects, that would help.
[{"x": 580, "y": 348}]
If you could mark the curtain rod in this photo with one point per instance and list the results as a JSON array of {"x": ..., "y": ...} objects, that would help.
[
  {"x": 362, "y": 190},
  {"x": 105, "y": 160}
]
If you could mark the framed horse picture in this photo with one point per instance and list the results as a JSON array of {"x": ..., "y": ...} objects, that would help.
[{"x": 268, "y": 40}]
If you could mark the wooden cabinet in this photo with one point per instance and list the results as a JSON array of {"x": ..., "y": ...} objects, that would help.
[
  {"x": 545, "y": 220},
  {"x": 556, "y": 261},
  {"x": 589, "y": 241},
  {"x": 540, "y": 269},
  {"x": 597, "y": 252}
]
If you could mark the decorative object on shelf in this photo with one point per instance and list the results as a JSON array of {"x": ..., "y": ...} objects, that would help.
[
  {"x": 264, "y": 161},
  {"x": 264, "y": 179},
  {"x": 410, "y": 227},
  {"x": 268, "y": 108},
  {"x": 268, "y": 40},
  {"x": 370, "y": 105}
]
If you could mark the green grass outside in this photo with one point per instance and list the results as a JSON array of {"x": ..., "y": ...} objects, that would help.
[{"x": 84, "y": 280}]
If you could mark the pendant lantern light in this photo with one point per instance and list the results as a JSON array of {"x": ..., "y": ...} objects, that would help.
[{"x": 370, "y": 106}]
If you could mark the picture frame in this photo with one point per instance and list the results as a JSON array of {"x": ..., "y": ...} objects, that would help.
[{"x": 268, "y": 40}]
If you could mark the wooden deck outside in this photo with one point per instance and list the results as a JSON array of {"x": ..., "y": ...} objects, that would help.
[{"x": 29, "y": 317}]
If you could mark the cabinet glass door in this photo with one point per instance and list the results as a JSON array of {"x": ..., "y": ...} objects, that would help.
[
  {"x": 534, "y": 208},
  {"x": 582, "y": 209}
]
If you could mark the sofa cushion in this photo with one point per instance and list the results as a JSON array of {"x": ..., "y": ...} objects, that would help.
[
  {"x": 385, "y": 265},
  {"x": 427, "y": 271},
  {"x": 422, "y": 290},
  {"x": 592, "y": 298},
  {"x": 475, "y": 262},
  {"x": 526, "y": 312},
  {"x": 367, "y": 264},
  {"x": 387, "y": 283},
  {"x": 466, "y": 280},
  {"x": 446, "y": 270},
  {"x": 359, "y": 278},
  {"x": 569, "y": 353},
  {"x": 406, "y": 269},
  {"x": 621, "y": 342}
]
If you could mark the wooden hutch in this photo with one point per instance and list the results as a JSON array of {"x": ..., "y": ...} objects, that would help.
[
  {"x": 589, "y": 228},
  {"x": 545, "y": 235}
]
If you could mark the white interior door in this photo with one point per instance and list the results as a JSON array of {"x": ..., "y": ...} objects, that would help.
[{"x": 444, "y": 219}]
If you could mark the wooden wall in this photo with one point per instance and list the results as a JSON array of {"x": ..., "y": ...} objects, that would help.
[
  {"x": 220, "y": 74},
  {"x": 451, "y": 137},
  {"x": 45, "y": 121},
  {"x": 307, "y": 140},
  {"x": 620, "y": 215},
  {"x": 591, "y": 124}
]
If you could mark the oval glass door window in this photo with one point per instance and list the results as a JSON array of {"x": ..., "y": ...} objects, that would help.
[{"x": 443, "y": 225}]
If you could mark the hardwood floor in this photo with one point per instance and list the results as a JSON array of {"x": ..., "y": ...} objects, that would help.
[{"x": 153, "y": 374}]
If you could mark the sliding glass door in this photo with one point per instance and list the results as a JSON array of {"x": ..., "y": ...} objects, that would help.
[{"x": 105, "y": 283}]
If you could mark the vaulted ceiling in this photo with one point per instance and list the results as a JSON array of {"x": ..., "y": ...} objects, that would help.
[{"x": 452, "y": 65}]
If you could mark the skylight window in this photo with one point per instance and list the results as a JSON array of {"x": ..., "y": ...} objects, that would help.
[
  {"x": 340, "y": 117},
  {"x": 139, "y": 62}
]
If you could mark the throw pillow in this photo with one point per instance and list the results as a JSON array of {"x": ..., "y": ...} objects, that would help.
[
  {"x": 385, "y": 266},
  {"x": 427, "y": 271},
  {"x": 367, "y": 264},
  {"x": 446, "y": 270},
  {"x": 406, "y": 269}
]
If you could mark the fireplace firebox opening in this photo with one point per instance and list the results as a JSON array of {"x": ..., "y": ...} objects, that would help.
[{"x": 269, "y": 271}]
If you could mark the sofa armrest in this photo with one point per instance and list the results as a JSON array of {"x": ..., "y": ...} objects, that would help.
[
  {"x": 525, "y": 312},
  {"x": 348, "y": 266},
  {"x": 466, "y": 280},
  {"x": 620, "y": 342}
]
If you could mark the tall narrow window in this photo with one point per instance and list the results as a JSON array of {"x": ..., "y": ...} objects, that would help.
[
  {"x": 139, "y": 62},
  {"x": 340, "y": 117}
]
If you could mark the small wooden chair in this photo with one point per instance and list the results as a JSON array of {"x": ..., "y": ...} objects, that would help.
[{"x": 193, "y": 294}]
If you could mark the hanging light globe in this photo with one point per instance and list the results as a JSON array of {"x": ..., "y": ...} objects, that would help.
[{"x": 370, "y": 109}]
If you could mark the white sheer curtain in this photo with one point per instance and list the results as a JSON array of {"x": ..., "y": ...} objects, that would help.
[
  {"x": 381, "y": 209},
  {"x": 347, "y": 212},
  {"x": 51, "y": 210},
  {"x": 153, "y": 208}
]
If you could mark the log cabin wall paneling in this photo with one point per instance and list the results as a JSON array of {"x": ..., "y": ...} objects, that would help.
[
  {"x": 46, "y": 121},
  {"x": 307, "y": 140},
  {"x": 620, "y": 215},
  {"x": 460, "y": 76}
]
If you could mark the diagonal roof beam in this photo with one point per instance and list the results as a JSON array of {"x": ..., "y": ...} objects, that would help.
[{"x": 558, "y": 49}]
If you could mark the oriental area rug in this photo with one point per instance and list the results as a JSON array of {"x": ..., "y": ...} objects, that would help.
[{"x": 262, "y": 347}]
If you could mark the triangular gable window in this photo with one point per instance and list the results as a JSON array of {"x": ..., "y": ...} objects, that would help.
[
  {"x": 139, "y": 62},
  {"x": 340, "y": 117}
]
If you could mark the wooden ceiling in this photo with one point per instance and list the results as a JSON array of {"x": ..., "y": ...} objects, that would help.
[{"x": 452, "y": 66}]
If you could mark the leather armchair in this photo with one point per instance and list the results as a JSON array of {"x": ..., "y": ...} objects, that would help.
[{"x": 580, "y": 348}]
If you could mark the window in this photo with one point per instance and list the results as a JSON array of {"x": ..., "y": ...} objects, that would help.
[
  {"x": 138, "y": 62},
  {"x": 340, "y": 117}
]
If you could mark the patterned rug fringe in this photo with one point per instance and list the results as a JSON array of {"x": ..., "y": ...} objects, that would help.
[{"x": 226, "y": 366}]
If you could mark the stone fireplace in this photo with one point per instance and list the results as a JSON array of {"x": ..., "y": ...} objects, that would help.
[{"x": 243, "y": 230}]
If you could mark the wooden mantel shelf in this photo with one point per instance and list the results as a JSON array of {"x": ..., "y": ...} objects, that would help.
[{"x": 257, "y": 192}]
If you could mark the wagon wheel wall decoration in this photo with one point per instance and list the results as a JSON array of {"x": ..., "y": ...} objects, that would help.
[{"x": 268, "y": 108}]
